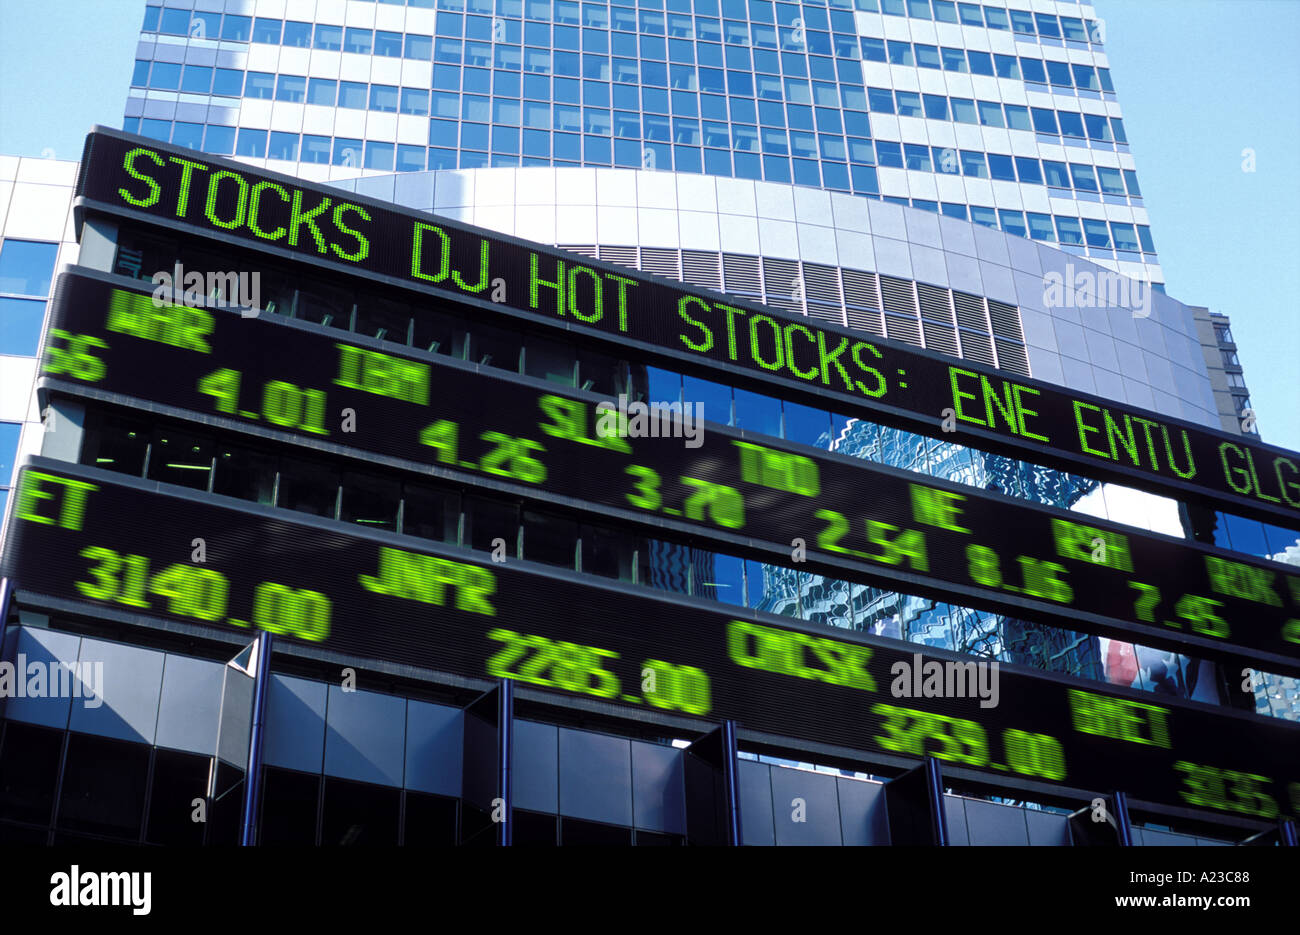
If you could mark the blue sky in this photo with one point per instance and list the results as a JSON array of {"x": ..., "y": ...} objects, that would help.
[{"x": 1199, "y": 80}]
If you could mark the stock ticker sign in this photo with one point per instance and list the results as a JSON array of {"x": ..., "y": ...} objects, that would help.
[
  {"x": 753, "y": 345},
  {"x": 120, "y": 542},
  {"x": 863, "y": 520}
]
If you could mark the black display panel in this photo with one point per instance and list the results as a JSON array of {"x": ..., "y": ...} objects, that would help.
[
  {"x": 757, "y": 495},
  {"x": 846, "y": 370},
  {"x": 80, "y": 534}
]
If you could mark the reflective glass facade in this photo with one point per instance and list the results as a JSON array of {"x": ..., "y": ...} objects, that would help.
[{"x": 1005, "y": 118}]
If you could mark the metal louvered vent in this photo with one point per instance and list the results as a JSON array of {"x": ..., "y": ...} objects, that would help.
[
  {"x": 1013, "y": 357},
  {"x": 907, "y": 330},
  {"x": 941, "y": 338},
  {"x": 619, "y": 256},
  {"x": 934, "y": 304},
  {"x": 702, "y": 269},
  {"x": 977, "y": 346},
  {"x": 970, "y": 311},
  {"x": 822, "y": 285},
  {"x": 583, "y": 249},
  {"x": 864, "y": 320},
  {"x": 1006, "y": 321},
  {"x": 661, "y": 262},
  {"x": 825, "y": 313},
  {"x": 784, "y": 285},
  {"x": 740, "y": 274},
  {"x": 860, "y": 289},
  {"x": 897, "y": 296}
]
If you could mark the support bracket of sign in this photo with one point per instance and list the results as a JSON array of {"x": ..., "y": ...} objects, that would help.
[
  {"x": 1104, "y": 822},
  {"x": 486, "y": 788},
  {"x": 712, "y": 790},
  {"x": 6, "y": 597},
  {"x": 1283, "y": 835},
  {"x": 256, "y": 740},
  {"x": 914, "y": 804}
]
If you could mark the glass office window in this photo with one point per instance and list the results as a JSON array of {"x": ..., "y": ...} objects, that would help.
[
  {"x": 1002, "y": 169},
  {"x": 227, "y": 82},
  {"x": 1125, "y": 237},
  {"x": 973, "y": 164},
  {"x": 936, "y": 106},
  {"x": 315, "y": 149},
  {"x": 267, "y": 30},
  {"x": 20, "y": 325},
  {"x": 1059, "y": 74},
  {"x": 1098, "y": 128},
  {"x": 220, "y": 141},
  {"x": 1068, "y": 230},
  {"x": 27, "y": 267},
  {"x": 1040, "y": 226},
  {"x": 1096, "y": 233},
  {"x": 1112, "y": 183},
  {"x": 388, "y": 44},
  {"x": 360, "y": 41},
  {"x": 297, "y": 35},
  {"x": 1028, "y": 170},
  {"x": 196, "y": 79},
  {"x": 1013, "y": 222},
  {"x": 1084, "y": 180},
  {"x": 236, "y": 28},
  {"x": 909, "y": 103},
  {"x": 1006, "y": 66},
  {"x": 990, "y": 113},
  {"x": 1017, "y": 117},
  {"x": 963, "y": 110},
  {"x": 328, "y": 37},
  {"x": 323, "y": 91},
  {"x": 291, "y": 88},
  {"x": 1071, "y": 124},
  {"x": 916, "y": 157},
  {"x": 251, "y": 143},
  {"x": 352, "y": 94},
  {"x": 1056, "y": 174},
  {"x": 1044, "y": 120},
  {"x": 283, "y": 146}
]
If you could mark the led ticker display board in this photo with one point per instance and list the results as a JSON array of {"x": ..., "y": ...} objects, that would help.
[
  {"x": 81, "y": 534},
  {"x": 758, "y": 496},
  {"x": 843, "y": 369}
]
